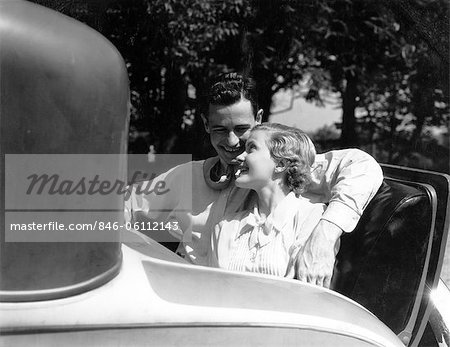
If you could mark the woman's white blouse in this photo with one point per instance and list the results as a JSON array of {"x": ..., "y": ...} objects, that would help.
[{"x": 246, "y": 242}]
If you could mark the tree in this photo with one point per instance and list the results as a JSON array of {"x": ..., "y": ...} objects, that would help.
[
  {"x": 360, "y": 47},
  {"x": 378, "y": 55},
  {"x": 411, "y": 90},
  {"x": 170, "y": 46},
  {"x": 272, "y": 47}
]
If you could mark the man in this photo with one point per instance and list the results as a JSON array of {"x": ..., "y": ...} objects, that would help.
[{"x": 201, "y": 193}]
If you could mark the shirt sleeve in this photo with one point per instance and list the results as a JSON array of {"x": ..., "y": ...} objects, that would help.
[
  {"x": 350, "y": 179},
  {"x": 156, "y": 199},
  {"x": 305, "y": 228},
  {"x": 212, "y": 251},
  {"x": 223, "y": 240}
]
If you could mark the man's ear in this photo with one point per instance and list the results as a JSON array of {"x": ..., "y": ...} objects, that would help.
[
  {"x": 205, "y": 124},
  {"x": 259, "y": 115}
]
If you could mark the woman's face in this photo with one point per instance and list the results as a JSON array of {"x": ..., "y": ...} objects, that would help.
[{"x": 257, "y": 166}]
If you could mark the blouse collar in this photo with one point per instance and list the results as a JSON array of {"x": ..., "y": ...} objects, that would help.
[{"x": 264, "y": 230}]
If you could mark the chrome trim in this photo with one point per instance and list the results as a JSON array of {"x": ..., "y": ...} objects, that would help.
[
  {"x": 63, "y": 329},
  {"x": 440, "y": 316}
]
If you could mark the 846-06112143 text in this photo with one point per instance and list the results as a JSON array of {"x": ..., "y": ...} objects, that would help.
[{"x": 96, "y": 225}]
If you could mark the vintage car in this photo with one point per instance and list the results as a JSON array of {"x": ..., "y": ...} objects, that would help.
[{"x": 64, "y": 90}]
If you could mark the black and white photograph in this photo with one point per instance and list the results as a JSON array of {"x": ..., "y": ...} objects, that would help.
[{"x": 225, "y": 173}]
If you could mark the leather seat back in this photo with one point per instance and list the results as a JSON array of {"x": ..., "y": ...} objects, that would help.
[{"x": 391, "y": 261}]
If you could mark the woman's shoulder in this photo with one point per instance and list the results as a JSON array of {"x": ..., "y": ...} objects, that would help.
[
  {"x": 308, "y": 213},
  {"x": 305, "y": 204}
]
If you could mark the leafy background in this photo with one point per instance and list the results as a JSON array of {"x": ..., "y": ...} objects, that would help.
[{"x": 387, "y": 61}]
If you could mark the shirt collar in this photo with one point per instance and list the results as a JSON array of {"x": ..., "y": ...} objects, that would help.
[{"x": 224, "y": 181}]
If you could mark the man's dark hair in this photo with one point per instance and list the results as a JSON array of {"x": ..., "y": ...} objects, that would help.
[{"x": 230, "y": 88}]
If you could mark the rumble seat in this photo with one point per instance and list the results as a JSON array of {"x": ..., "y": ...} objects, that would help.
[{"x": 392, "y": 260}]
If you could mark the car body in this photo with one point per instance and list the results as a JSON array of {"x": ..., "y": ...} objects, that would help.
[{"x": 65, "y": 90}]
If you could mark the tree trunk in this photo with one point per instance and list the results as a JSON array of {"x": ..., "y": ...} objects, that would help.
[
  {"x": 265, "y": 104},
  {"x": 175, "y": 94},
  {"x": 423, "y": 107},
  {"x": 392, "y": 140},
  {"x": 265, "y": 93},
  {"x": 348, "y": 135}
]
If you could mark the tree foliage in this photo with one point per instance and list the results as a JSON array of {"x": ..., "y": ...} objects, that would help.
[{"x": 388, "y": 60}]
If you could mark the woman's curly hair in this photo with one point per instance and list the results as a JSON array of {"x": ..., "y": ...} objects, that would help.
[{"x": 293, "y": 147}]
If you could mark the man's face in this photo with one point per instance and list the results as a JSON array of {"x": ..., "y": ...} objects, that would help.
[{"x": 229, "y": 128}]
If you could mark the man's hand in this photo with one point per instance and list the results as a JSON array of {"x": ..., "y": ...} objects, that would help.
[{"x": 315, "y": 261}]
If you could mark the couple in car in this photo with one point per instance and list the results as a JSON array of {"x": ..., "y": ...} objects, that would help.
[{"x": 267, "y": 203}]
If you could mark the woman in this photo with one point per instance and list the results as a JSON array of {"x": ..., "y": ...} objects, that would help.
[{"x": 266, "y": 237}]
